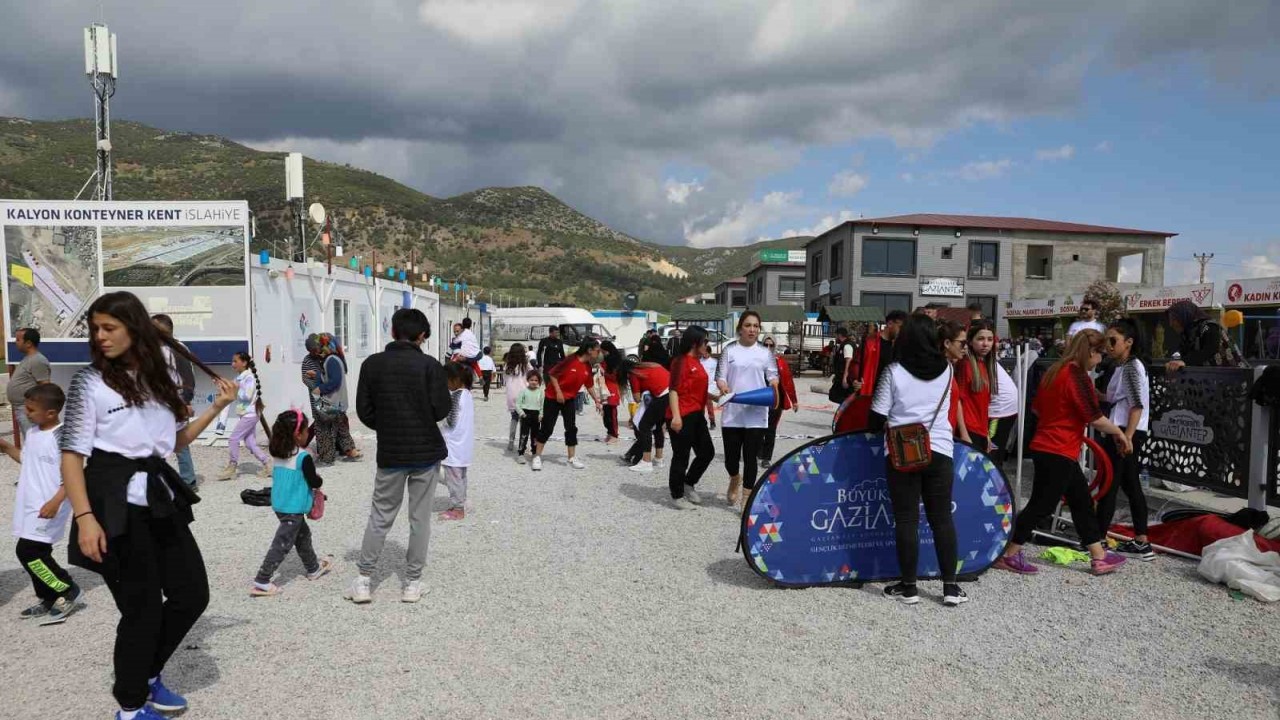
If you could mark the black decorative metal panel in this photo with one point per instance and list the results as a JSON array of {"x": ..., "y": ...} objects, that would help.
[{"x": 1201, "y": 420}]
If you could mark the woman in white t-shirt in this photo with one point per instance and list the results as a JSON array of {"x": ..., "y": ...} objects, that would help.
[
  {"x": 1004, "y": 415},
  {"x": 745, "y": 365},
  {"x": 130, "y": 509},
  {"x": 916, "y": 388},
  {"x": 1129, "y": 394}
]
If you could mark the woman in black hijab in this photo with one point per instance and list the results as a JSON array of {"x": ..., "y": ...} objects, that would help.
[{"x": 1202, "y": 342}]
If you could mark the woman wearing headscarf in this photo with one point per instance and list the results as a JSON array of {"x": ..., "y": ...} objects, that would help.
[
  {"x": 329, "y": 403},
  {"x": 1201, "y": 341}
]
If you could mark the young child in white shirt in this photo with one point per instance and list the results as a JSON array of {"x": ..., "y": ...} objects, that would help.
[
  {"x": 459, "y": 433},
  {"x": 41, "y": 510}
]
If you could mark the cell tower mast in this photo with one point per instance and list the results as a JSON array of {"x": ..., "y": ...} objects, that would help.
[{"x": 100, "y": 66}]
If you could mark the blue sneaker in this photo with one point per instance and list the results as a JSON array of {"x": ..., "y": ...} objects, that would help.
[
  {"x": 146, "y": 713},
  {"x": 162, "y": 698}
]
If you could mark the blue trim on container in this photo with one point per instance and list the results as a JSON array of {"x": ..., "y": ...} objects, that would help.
[{"x": 213, "y": 352}]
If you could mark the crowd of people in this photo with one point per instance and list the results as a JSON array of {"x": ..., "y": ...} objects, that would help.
[{"x": 926, "y": 383}]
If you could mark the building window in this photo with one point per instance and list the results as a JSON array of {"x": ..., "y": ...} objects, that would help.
[
  {"x": 342, "y": 321},
  {"x": 1040, "y": 262},
  {"x": 760, "y": 290},
  {"x": 988, "y": 303},
  {"x": 984, "y": 259},
  {"x": 888, "y": 257},
  {"x": 837, "y": 260},
  {"x": 887, "y": 302},
  {"x": 815, "y": 268},
  {"x": 738, "y": 298},
  {"x": 836, "y": 299},
  {"x": 948, "y": 252},
  {"x": 790, "y": 288}
]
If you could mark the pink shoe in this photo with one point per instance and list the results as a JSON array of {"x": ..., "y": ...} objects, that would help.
[
  {"x": 1108, "y": 564},
  {"x": 453, "y": 514},
  {"x": 1016, "y": 563}
]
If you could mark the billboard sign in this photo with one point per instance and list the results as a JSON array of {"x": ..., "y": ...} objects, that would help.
[
  {"x": 1253, "y": 292},
  {"x": 1158, "y": 299},
  {"x": 186, "y": 259}
]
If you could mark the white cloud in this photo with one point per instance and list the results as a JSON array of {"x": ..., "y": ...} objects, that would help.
[
  {"x": 1103, "y": 147},
  {"x": 1066, "y": 152},
  {"x": 821, "y": 226},
  {"x": 984, "y": 170},
  {"x": 740, "y": 222},
  {"x": 846, "y": 184},
  {"x": 678, "y": 192}
]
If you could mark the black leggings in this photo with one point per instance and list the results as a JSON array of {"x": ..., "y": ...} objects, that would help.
[
  {"x": 1056, "y": 476},
  {"x": 649, "y": 434},
  {"x": 770, "y": 435},
  {"x": 160, "y": 586},
  {"x": 742, "y": 444},
  {"x": 550, "y": 409},
  {"x": 487, "y": 377},
  {"x": 610, "y": 414},
  {"x": 528, "y": 428},
  {"x": 1004, "y": 428},
  {"x": 1126, "y": 471},
  {"x": 694, "y": 435},
  {"x": 931, "y": 485}
]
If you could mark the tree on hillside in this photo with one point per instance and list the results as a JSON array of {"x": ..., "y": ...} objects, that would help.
[{"x": 1110, "y": 302}]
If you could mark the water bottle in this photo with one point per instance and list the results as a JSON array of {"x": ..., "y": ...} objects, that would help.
[{"x": 1144, "y": 479}]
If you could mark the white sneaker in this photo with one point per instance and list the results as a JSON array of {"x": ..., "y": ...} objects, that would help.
[
  {"x": 411, "y": 592},
  {"x": 577, "y": 464},
  {"x": 642, "y": 467},
  {"x": 692, "y": 495},
  {"x": 682, "y": 503},
  {"x": 360, "y": 592},
  {"x": 537, "y": 462},
  {"x": 520, "y": 460},
  {"x": 659, "y": 463}
]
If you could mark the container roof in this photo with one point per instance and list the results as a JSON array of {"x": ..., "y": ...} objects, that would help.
[{"x": 1004, "y": 223}]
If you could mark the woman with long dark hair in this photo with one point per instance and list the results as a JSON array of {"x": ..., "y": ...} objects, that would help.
[
  {"x": 976, "y": 381},
  {"x": 131, "y": 509},
  {"x": 651, "y": 376},
  {"x": 1129, "y": 395},
  {"x": 914, "y": 389},
  {"x": 1066, "y": 404},
  {"x": 610, "y": 364},
  {"x": 688, "y": 420},
  {"x": 515, "y": 366},
  {"x": 744, "y": 365},
  {"x": 564, "y": 381}
]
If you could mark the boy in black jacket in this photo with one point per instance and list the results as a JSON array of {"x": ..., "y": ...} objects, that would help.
[{"x": 402, "y": 395}]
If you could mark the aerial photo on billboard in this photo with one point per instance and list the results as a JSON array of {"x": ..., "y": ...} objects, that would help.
[
  {"x": 52, "y": 276},
  {"x": 173, "y": 256}
]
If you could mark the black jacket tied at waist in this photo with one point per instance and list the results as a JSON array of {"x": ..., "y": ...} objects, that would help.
[{"x": 107, "y": 477}]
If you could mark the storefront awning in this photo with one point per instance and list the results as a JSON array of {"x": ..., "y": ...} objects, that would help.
[
  {"x": 847, "y": 314},
  {"x": 780, "y": 313},
  {"x": 698, "y": 313}
]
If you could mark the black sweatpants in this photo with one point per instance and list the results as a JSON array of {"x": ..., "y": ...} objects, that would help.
[
  {"x": 932, "y": 486},
  {"x": 159, "y": 584},
  {"x": 650, "y": 433},
  {"x": 694, "y": 436},
  {"x": 610, "y": 414},
  {"x": 1004, "y": 429},
  {"x": 550, "y": 411},
  {"x": 1056, "y": 476},
  {"x": 742, "y": 444},
  {"x": 49, "y": 579},
  {"x": 528, "y": 429},
  {"x": 487, "y": 377},
  {"x": 1125, "y": 476}
]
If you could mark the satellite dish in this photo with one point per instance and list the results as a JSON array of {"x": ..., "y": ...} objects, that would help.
[
  {"x": 316, "y": 211},
  {"x": 629, "y": 302}
]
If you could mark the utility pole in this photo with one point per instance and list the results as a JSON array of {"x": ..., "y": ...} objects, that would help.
[
  {"x": 100, "y": 65},
  {"x": 1204, "y": 259}
]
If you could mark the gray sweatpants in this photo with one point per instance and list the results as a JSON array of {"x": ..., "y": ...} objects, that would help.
[
  {"x": 388, "y": 492},
  {"x": 455, "y": 478}
]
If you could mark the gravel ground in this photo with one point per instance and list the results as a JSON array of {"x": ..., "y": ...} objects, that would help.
[{"x": 581, "y": 594}]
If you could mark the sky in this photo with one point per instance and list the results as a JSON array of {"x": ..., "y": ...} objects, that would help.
[{"x": 725, "y": 122}]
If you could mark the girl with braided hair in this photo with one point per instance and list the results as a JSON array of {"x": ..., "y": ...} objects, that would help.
[{"x": 248, "y": 403}]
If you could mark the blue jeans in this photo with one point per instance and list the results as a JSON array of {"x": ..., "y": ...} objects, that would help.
[{"x": 186, "y": 467}]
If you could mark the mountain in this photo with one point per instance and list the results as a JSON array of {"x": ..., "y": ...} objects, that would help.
[{"x": 519, "y": 242}]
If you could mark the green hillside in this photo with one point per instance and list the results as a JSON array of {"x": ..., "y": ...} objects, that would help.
[{"x": 521, "y": 242}]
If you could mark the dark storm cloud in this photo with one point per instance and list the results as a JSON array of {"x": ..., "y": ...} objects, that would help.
[{"x": 597, "y": 100}]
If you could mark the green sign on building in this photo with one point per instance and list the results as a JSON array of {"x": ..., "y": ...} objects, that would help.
[{"x": 773, "y": 256}]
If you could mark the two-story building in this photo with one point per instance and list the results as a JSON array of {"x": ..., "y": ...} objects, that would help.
[
  {"x": 775, "y": 284},
  {"x": 905, "y": 261},
  {"x": 732, "y": 293}
]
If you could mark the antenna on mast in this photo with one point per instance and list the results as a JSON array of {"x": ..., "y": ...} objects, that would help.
[{"x": 100, "y": 65}]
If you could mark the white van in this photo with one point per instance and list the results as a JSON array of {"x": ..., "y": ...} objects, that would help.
[{"x": 530, "y": 324}]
